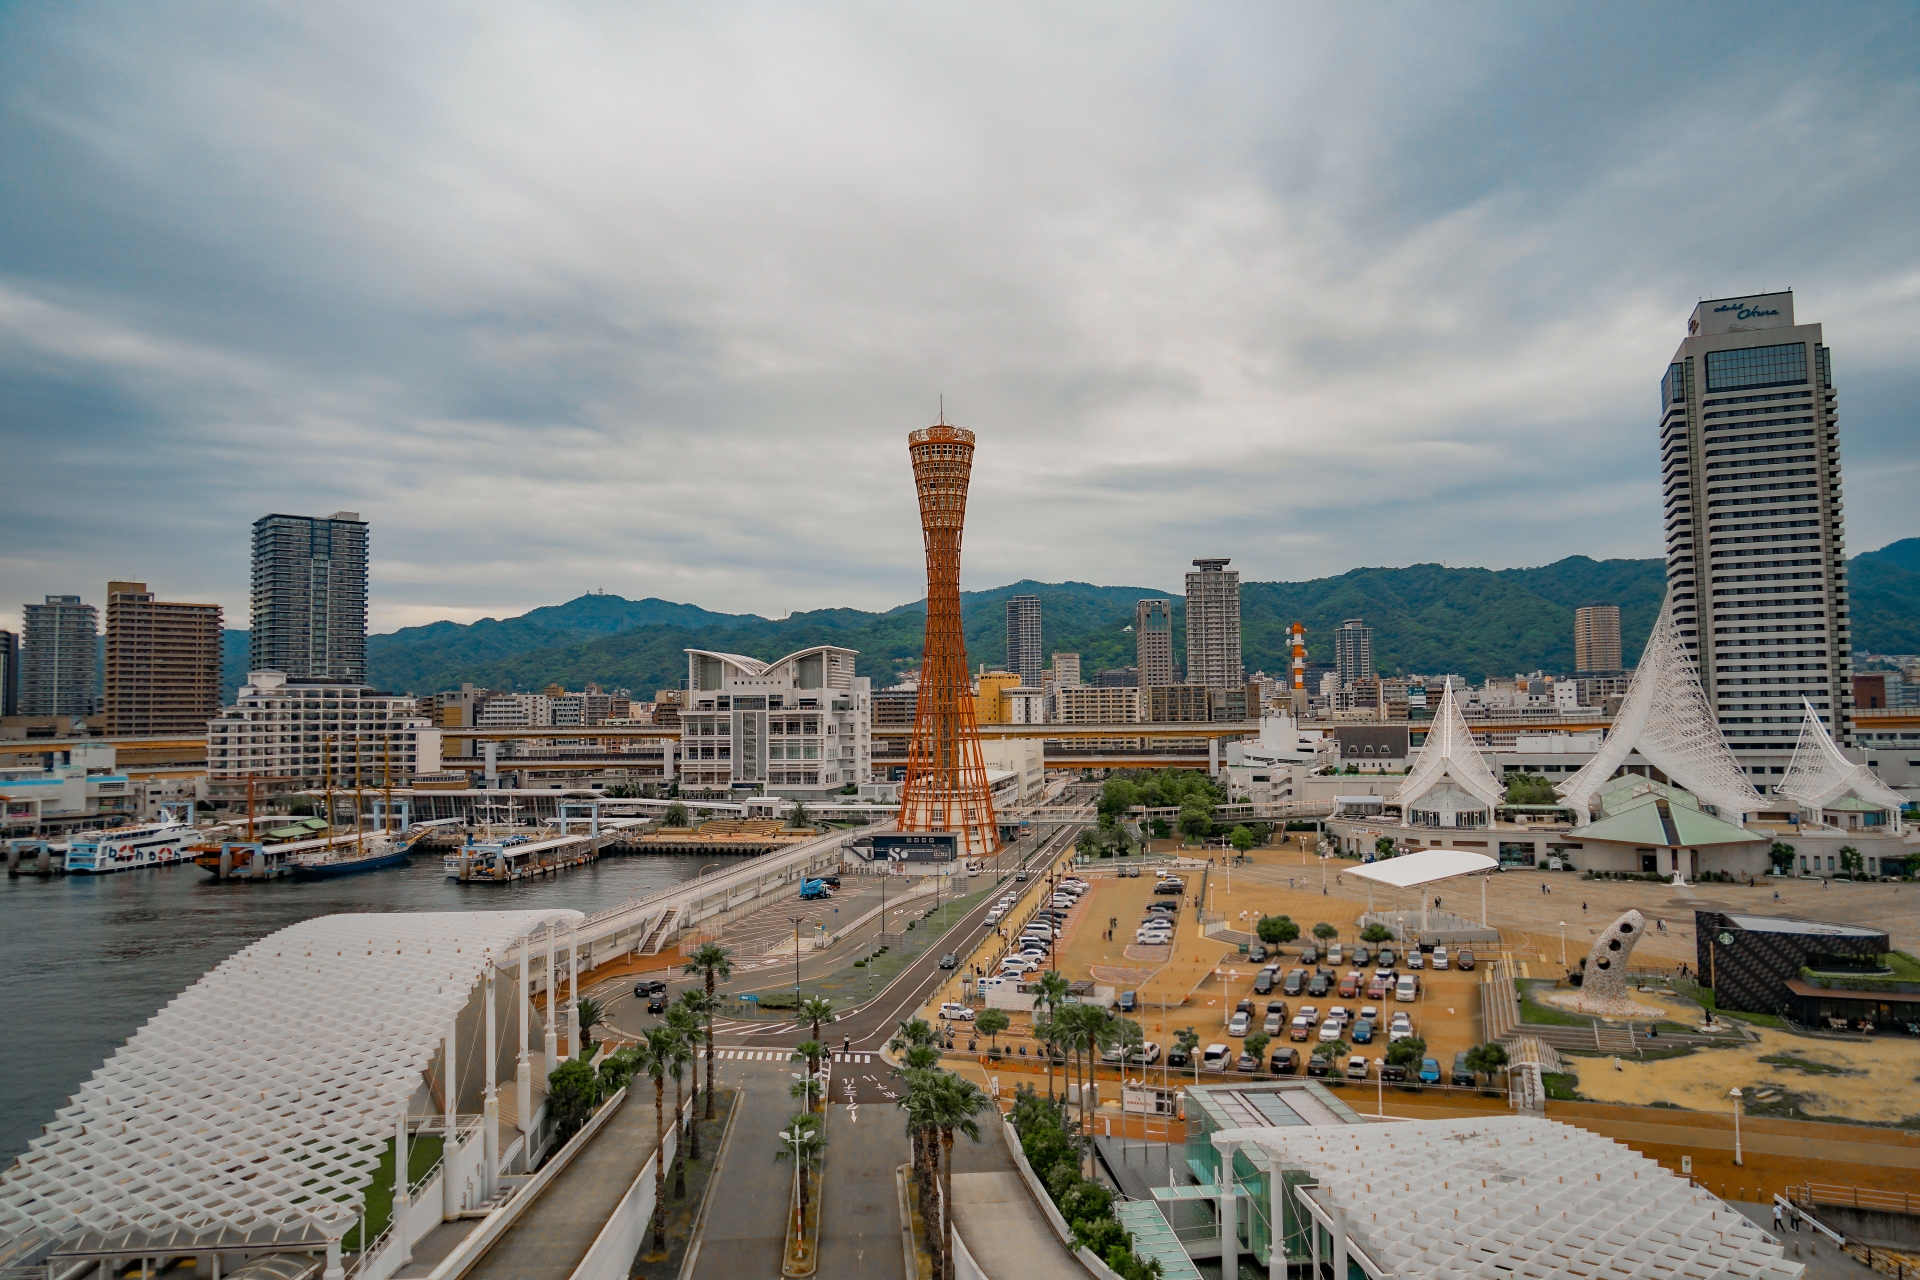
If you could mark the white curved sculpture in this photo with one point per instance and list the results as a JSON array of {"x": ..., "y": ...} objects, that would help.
[
  {"x": 1603, "y": 990},
  {"x": 1820, "y": 775},
  {"x": 1449, "y": 756},
  {"x": 1666, "y": 718}
]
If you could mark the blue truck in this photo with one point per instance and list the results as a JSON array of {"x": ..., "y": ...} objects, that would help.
[{"x": 813, "y": 890}]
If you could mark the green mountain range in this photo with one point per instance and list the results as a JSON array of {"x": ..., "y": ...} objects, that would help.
[{"x": 1426, "y": 618}]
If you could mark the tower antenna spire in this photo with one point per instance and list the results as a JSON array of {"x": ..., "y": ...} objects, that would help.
[{"x": 943, "y": 409}]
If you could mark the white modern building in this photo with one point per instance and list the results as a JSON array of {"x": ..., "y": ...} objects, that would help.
[
  {"x": 1448, "y": 783},
  {"x": 303, "y": 733},
  {"x": 1213, "y": 625},
  {"x": 800, "y": 726},
  {"x": 1756, "y": 560},
  {"x": 517, "y": 710}
]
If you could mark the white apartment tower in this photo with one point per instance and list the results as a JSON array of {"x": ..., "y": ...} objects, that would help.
[
  {"x": 1352, "y": 652},
  {"x": 1213, "y": 625},
  {"x": 310, "y": 596},
  {"x": 1153, "y": 642},
  {"x": 1756, "y": 562},
  {"x": 1023, "y": 640}
]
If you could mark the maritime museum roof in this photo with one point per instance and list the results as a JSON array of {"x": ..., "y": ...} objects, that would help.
[{"x": 263, "y": 1095}]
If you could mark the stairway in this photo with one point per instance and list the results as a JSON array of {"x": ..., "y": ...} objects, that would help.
[{"x": 658, "y": 936}]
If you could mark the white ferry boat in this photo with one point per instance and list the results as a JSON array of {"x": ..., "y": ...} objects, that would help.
[{"x": 148, "y": 844}]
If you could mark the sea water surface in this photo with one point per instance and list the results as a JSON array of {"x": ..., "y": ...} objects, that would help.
[{"x": 86, "y": 960}]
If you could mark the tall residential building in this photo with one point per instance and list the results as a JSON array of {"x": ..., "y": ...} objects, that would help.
[
  {"x": 1066, "y": 669},
  {"x": 163, "y": 663},
  {"x": 1596, "y": 638},
  {"x": 1756, "y": 562},
  {"x": 1213, "y": 625},
  {"x": 293, "y": 733},
  {"x": 9, "y": 674},
  {"x": 310, "y": 596},
  {"x": 1024, "y": 656},
  {"x": 1153, "y": 642},
  {"x": 57, "y": 648},
  {"x": 1352, "y": 652}
]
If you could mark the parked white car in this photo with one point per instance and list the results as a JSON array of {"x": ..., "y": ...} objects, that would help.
[
  {"x": 1330, "y": 1030},
  {"x": 956, "y": 1012},
  {"x": 1215, "y": 1058},
  {"x": 1439, "y": 957},
  {"x": 1238, "y": 1026}
]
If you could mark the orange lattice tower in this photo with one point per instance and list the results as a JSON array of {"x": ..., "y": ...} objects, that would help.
[{"x": 946, "y": 784}]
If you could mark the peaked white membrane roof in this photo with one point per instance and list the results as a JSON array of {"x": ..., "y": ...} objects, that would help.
[
  {"x": 1519, "y": 1198},
  {"x": 264, "y": 1094},
  {"x": 1820, "y": 775},
  {"x": 1426, "y": 867},
  {"x": 1449, "y": 755},
  {"x": 1666, "y": 717}
]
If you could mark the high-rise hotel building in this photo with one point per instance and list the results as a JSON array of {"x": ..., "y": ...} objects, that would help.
[
  {"x": 1213, "y": 625},
  {"x": 1756, "y": 563},
  {"x": 310, "y": 597}
]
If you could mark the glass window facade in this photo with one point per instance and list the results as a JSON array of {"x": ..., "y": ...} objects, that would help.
[
  {"x": 1778, "y": 366},
  {"x": 1673, "y": 387}
]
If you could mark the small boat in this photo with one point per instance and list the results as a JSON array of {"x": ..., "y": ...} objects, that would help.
[{"x": 352, "y": 859}]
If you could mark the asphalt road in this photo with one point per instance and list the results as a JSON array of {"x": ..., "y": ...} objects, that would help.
[
  {"x": 745, "y": 1228},
  {"x": 866, "y": 1027}
]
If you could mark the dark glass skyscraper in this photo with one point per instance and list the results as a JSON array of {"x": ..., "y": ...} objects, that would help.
[{"x": 310, "y": 597}]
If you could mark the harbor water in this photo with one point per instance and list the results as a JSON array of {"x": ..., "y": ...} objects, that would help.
[{"x": 88, "y": 959}]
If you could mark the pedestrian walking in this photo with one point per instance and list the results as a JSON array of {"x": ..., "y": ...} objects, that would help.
[{"x": 1779, "y": 1218}]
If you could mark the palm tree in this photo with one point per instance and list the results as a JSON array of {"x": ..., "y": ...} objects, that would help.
[
  {"x": 682, "y": 1056},
  {"x": 816, "y": 1009},
  {"x": 954, "y": 1103},
  {"x": 917, "y": 1043},
  {"x": 710, "y": 960},
  {"x": 809, "y": 1150},
  {"x": 811, "y": 1050},
  {"x": 590, "y": 1014},
  {"x": 684, "y": 1017},
  {"x": 923, "y": 1128},
  {"x": 1052, "y": 992},
  {"x": 656, "y": 1053}
]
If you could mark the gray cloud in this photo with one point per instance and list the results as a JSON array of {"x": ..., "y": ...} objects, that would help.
[{"x": 645, "y": 299}]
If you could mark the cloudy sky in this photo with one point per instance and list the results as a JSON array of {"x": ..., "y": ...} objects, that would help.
[{"x": 646, "y": 297}]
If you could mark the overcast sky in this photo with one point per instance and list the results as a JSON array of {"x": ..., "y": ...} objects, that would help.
[{"x": 646, "y": 298}]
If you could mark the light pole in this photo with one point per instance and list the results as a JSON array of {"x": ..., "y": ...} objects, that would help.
[
  {"x": 1735, "y": 1095},
  {"x": 797, "y": 922},
  {"x": 797, "y": 1138},
  {"x": 1563, "y": 944}
]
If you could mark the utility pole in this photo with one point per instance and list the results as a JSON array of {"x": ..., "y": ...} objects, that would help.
[{"x": 797, "y": 922}]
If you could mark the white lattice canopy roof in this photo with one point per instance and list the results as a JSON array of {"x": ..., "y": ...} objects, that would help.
[
  {"x": 1666, "y": 718},
  {"x": 1820, "y": 775},
  {"x": 1449, "y": 756},
  {"x": 263, "y": 1095},
  {"x": 1518, "y": 1198}
]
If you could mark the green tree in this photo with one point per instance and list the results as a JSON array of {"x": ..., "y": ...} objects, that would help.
[
  {"x": 572, "y": 1093},
  {"x": 616, "y": 1071},
  {"x": 1851, "y": 861},
  {"x": 1782, "y": 856},
  {"x": 991, "y": 1023},
  {"x": 590, "y": 1014},
  {"x": 1487, "y": 1059},
  {"x": 677, "y": 1063},
  {"x": 811, "y": 1051},
  {"x": 684, "y": 1019},
  {"x": 954, "y": 1103},
  {"x": 712, "y": 963},
  {"x": 917, "y": 1043},
  {"x": 1187, "y": 1040},
  {"x": 923, "y": 1132},
  {"x": 1376, "y": 934},
  {"x": 813, "y": 1131},
  {"x": 1530, "y": 788},
  {"x": 1335, "y": 1054},
  {"x": 1325, "y": 931},
  {"x": 656, "y": 1053},
  {"x": 1408, "y": 1052},
  {"x": 1384, "y": 846},
  {"x": 1256, "y": 1044},
  {"x": 816, "y": 1010},
  {"x": 676, "y": 815},
  {"x": 1050, "y": 992},
  {"x": 1196, "y": 819},
  {"x": 800, "y": 817},
  {"x": 1241, "y": 839},
  {"x": 1274, "y": 930}
]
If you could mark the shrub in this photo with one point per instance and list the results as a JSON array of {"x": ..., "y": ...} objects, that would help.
[
  {"x": 1049, "y": 1140},
  {"x": 1377, "y": 933},
  {"x": 1274, "y": 930}
]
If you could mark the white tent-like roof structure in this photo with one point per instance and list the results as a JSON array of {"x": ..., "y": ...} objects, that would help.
[
  {"x": 1449, "y": 755},
  {"x": 1820, "y": 775},
  {"x": 1666, "y": 718},
  {"x": 263, "y": 1096},
  {"x": 1426, "y": 867}
]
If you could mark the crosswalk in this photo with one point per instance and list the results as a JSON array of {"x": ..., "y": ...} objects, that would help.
[{"x": 781, "y": 1055}]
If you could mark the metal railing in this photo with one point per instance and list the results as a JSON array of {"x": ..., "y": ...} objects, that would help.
[{"x": 1814, "y": 1193}]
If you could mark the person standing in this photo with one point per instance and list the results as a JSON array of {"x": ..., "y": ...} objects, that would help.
[{"x": 1779, "y": 1219}]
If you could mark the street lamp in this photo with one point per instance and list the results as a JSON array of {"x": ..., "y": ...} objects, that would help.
[
  {"x": 1735, "y": 1095},
  {"x": 1563, "y": 944},
  {"x": 797, "y": 1138}
]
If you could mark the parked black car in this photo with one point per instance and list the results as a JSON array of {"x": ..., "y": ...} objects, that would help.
[
  {"x": 1285, "y": 1062},
  {"x": 649, "y": 987}
]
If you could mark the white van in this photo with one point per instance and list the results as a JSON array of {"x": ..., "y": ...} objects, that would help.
[
  {"x": 1215, "y": 1058},
  {"x": 1408, "y": 988}
]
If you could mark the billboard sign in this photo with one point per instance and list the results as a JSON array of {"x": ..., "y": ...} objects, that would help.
[{"x": 916, "y": 846}]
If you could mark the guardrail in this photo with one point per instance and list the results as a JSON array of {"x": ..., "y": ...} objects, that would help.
[{"x": 1806, "y": 1193}]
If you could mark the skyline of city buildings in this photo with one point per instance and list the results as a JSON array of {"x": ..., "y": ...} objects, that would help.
[
  {"x": 58, "y": 651},
  {"x": 1749, "y": 442},
  {"x": 1213, "y": 624},
  {"x": 162, "y": 668},
  {"x": 1025, "y": 652},
  {"x": 1596, "y": 638},
  {"x": 309, "y": 597},
  {"x": 1153, "y": 642}
]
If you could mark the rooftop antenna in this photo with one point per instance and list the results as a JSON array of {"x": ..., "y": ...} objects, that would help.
[{"x": 943, "y": 410}]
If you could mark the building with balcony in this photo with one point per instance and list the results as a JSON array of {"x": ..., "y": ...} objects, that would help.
[
  {"x": 162, "y": 663},
  {"x": 296, "y": 734},
  {"x": 799, "y": 727}
]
